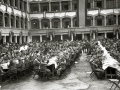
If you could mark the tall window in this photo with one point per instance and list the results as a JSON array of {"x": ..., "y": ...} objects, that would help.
[
  {"x": 11, "y": 2},
  {"x": 21, "y": 4},
  {"x": 45, "y": 23},
  {"x": 22, "y": 22},
  {"x": 34, "y": 7},
  {"x": 118, "y": 3},
  {"x": 12, "y": 21},
  {"x": 35, "y": 24},
  {"x": 17, "y": 22},
  {"x": 99, "y": 20},
  {"x": 66, "y": 22},
  {"x": 74, "y": 4},
  {"x": 55, "y": 23},
  {"x": 65, "y": 5},
  {"x": 55, "y": 6},
  {"x": 74, "y": 22},
  {"x": 89, "y": 21},
  {"x": 7, "y": 20},
  {"x": 16, "y": 3},
  {"x": 26, "y": 23},
  {"x": 25, "y": 6},
  {"x": 90, "y": 4},
  {"x": 111, "y": 19},
  {"x": 99, "y": 3},
  {"x": 44, "y": 7},
  {"x": 1, "y": 19},
  {"x": 111, "y": 3}
]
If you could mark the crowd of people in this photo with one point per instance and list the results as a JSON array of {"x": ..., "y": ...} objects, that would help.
[{"x": 13, "y": 59}]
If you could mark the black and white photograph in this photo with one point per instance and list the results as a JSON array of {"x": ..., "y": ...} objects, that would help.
[{"x": 59, "y": 44}]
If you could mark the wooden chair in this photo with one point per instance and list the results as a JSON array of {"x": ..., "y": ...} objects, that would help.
[{"x": 116, "y": 82}]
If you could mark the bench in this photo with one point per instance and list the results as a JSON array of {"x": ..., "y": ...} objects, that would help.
[{"x": 116, "y": 82}]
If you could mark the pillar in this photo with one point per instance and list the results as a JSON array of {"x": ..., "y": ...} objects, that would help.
[
  {"x": 50, "y": 23},
  {"x": 71, "y": 37},
  {"x": 104, "y": 3},
  {"x": 3, "y": 20},
  {"x": 93, "y": 4},
  {"x": 24, "y": 39},
  {"x": 117, "y": 36},
  {"x": 83, "y": 36},
  {"x": 20, "y": 39},
  {"x": 93, "y": 36},
  {"x": 49, "y": 6},
  {"x": 71, "y": 22},
  {"x": 10, "y": 21},
  {"x": 93, "y": 21},
  {"x": 40, "y": 24},
  {"x": 116, "y": 19},
  {"x": 60, "y": 6},
  {"x": 81, "y": 13},
  {"x": 40, "y": 38},
  {"x": 71, "y": 6},
  {"x": 50, "y": 37},
  {"x": 116, "y": 3},
  {"x": 61, "y": 37},
  {"x": 10, "y": 39},
  {"x": 105, "y": 35},
  {"x": 39, "y": 7},
  {"x": 105, "y": 20},
  {"x": 15, "y": 39},
  {"x": 4, "y": 40},
  {"x": 61, "y": 23}
]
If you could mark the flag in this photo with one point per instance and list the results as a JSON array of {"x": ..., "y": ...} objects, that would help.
[{"x": 44, "y": 14}]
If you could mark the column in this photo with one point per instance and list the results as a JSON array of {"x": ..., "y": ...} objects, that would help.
[
  {"x": 116, "y": 3},
  {"x": 93, "y": 4},
  {"x": 4, "y": 40},
  {"x": 105, "y": 20},
  {"x": 71, "y": 5},
  {"x": 39, "y": 7},
  {"x": 71, "y": 22},
  {"x": 50, "y": 37},
  {"x": 20, "y": 39},
  {"x": 71, "y": 37},
  {"x": 40, "y": 24},
  {"x": 40, "y": 38},
  {"x": 61, "y": 37},
  {"x": 3, "y": 20},
  {"x": 15, "y": 22},
  {"x": 104, "y": 3},
  {"x": 15, "y": 39},
  {"x": 117, "y": 36},
  {"x": 93, "y": 36},
  {"x": 83, "y": 36},
  {"x": 50, "y": 23},
  {"x": 24, "y": 39},
  {"x": 93, "y": 21},
  {"x": 10, "y": 21},
  {"x": 116, "y": 19},
  {"x": 49, "y": 6},
  {"x": 60, "y": 23},
  {"x": 20, "y": 22},
  {"x": 105, "y": 35},
  {"x": 10, "y": 39},
  {"x": 60, "y": 6}
]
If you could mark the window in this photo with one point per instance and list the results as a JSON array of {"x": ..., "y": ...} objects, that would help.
[
  {"x": 90, "y": 4},
  {"x": 5, "y": 1},
  {"x": 26, "y": 23},
  {"x": 55, "y": 6},
  {"x": 35, "y": 24},
  {"x": 99, "y": 20},
  {"x": 11, "y": 2},
  {"x": 89, "y": 21},
  {"x": 111, "y": 3},
  {"x": 16, "y": 3},
  {"x": 111, "y": 19},
  {"x": 74, "y": 4},
  {"x": 118, "y": 19},
  {"x": 25, "y": 6},
  {"x": 66, "y": 22},
  {"x": 55, "y": 23},
  {"x": 6, "y": 20},
  {"x": 34, "y": 7},
  {"x": 22, "y": 22},
  {"x": 12, "y": 21},
  {"x": 45, "y": 23},
  {"x": 44, "y": 7},
  {"x": 21, "y": 4},
  {"x": 75, "y": 22},
  {"x": 17, "y": 22},
  {"x": 1, "y": 19},
  {"x": 65, "y": 6}
]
